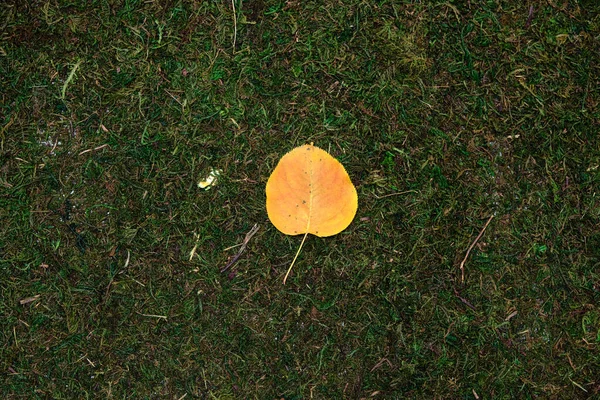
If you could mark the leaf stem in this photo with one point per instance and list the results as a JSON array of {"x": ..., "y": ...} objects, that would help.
[{"x": 296, "y": 256}]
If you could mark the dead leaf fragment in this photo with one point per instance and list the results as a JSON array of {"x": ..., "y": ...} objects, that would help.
[
  {"x": 28, "y": 300},
  {"x": 210, "y": 180}
]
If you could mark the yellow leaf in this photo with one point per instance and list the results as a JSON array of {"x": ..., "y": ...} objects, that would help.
[{"x": 310, "y": 192}]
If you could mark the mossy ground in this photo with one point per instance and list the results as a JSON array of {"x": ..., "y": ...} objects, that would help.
[{"x": 444, "y": 114}]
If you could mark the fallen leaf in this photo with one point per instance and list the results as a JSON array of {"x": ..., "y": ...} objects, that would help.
[{"x": 309, "y": 191}]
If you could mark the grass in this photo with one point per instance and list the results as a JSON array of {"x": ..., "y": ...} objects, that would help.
[{"x": 444, "y": 114}]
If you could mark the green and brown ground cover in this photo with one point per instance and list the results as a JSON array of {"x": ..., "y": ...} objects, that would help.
[{"x": 446, "y": 115}]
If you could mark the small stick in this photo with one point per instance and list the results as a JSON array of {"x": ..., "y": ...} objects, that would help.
[
  {"x": 242, "y": 248},
  {"x": 465, "y": 301},
  {"x": 529, "y": 18},
  {"x": 462, "y": 264}
]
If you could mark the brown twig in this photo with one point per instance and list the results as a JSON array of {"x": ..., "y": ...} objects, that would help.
[
  {"x": 462, "y": 264},
  {"x": 463, "y": 300},
  {"x": 529, "y": 18},
  {"x": 242, "y": 248}
]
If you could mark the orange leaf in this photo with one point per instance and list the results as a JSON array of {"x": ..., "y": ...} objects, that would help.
[{"x": 310, "y": 192}]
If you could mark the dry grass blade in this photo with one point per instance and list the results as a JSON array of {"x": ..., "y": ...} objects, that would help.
[{"x": 462, "y": 264}]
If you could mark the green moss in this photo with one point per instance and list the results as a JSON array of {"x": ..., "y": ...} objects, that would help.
[{"x": 443, "y": 115}]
